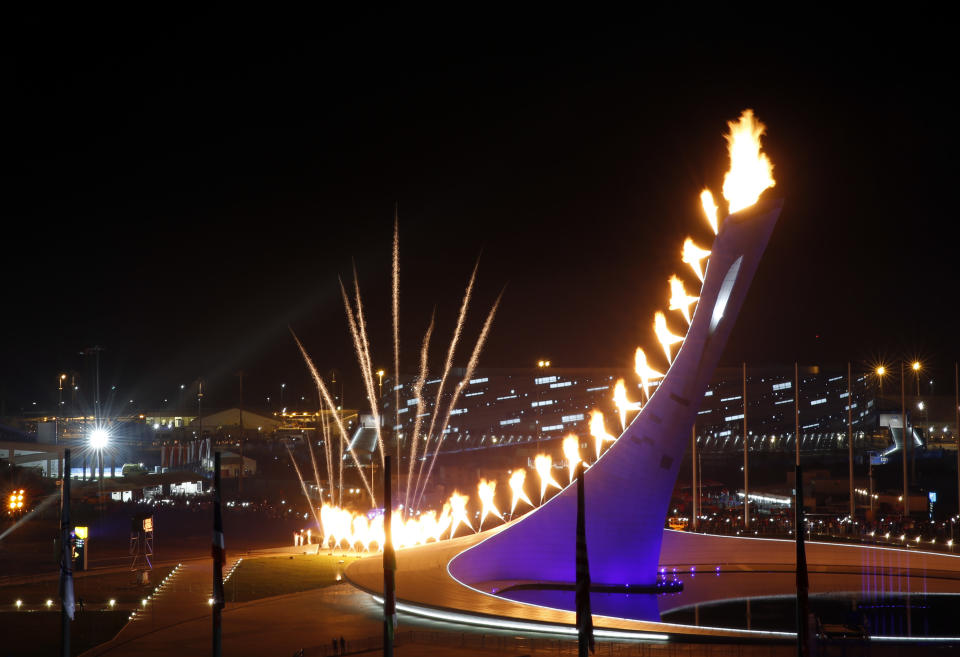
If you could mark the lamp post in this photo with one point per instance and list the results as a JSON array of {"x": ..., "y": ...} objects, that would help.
[
  {"x": 283, "y": 387},
  {"x": 850, "y": 440},
  {"x": 56, "y": 422},
  {"x": 746, "y": 479},
  {"x": 541, "y": 364},
  {"x": 906, "y": 439},
  {"x": 380, "y": 377}
]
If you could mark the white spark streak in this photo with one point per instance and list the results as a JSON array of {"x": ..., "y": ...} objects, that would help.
[
  {"x": 468, "y": 374},
  {"x": 418, "y": 395},
  {"x": 328, "y": 400},
  {"x": 446, "y": 367}
]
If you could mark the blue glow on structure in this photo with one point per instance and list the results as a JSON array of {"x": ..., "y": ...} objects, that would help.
[{"x": 628, "y": 489}]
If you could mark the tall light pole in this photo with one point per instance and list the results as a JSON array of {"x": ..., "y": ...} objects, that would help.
[
  {"x": 541, "y": 364},
  {"x": 283, "y": 387},
  {"x": 380, "y": 374},
  {"x": 916, "y": 371},
  {"x": 906, "y": 442},
  {"x": 850, "y": 440},
  {"x": 796, "y": 407},
  {"x": 56, "y": 424},
  {"x": 746, "y": 478},
  {"x": 693, "y": 463}
]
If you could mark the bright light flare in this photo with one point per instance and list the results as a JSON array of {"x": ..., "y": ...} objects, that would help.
[
  {"x": 486, "y": 491},
  {"x": 710, "y": 209},
  {"x": 751, "y": 171},
  {"x": 666, "y": 338},
  {"x": 644, "y": 371},
  {"x": 543, "y": 464},
  {"x": 458, "y": 512},
  {"x": 599, "y": 431},
  {"x": 517, "y": 479},
  {"x": 623, "y": 404},
  {"x": 571, "y": 450},
  {"x": 693, "y": 255},
  {"x": 99, "y": 438},
  {"x": 679, "y": 299}
]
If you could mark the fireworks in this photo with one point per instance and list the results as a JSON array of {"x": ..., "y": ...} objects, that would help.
[{"x": 749, "y": 175}]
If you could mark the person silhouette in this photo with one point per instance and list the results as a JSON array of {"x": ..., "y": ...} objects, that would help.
[{"x": 343, "y": 646}]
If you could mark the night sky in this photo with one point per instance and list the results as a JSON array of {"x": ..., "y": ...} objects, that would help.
[{"x": 182, "y": 188}]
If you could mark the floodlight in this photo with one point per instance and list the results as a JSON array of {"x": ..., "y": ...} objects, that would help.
[{"x": 99, "y": 438}]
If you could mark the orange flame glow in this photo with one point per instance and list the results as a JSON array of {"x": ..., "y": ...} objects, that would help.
[
  {"x": 679, "y": 300},
  {"x": 458, "y": 512},
  {"x": 517, "y": 479},
  {"x": 751, "y": 171},
  {"x": 599, "y": 431},
  {"x": 693, "y": 255},
  {"x": 664, "y": 335},
  {"x": 622, "y": 403},
  {"x": 485, "y": 491},
  {"x": 710, "y": 209},
  {"x": 644, "y": 371},
  {"x": 543, "y": 463},
  {"x": 571, "y": 450}
]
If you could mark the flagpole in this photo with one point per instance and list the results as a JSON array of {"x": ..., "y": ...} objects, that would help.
[
  {"x": 389, "y": 564},
  {"x": 585, "y": 642},
  {"x": 802, "y": 580},
  {"x": 219, "y": 555},
  {"x": 66, "y": 559}
]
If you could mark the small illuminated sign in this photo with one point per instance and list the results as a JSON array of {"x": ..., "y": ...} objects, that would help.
[
  {"x": 148, "y": 524},
  {"x": 80, "y": 532}
]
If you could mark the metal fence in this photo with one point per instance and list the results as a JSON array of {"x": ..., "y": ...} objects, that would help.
[{"x": 519, "y": 645}]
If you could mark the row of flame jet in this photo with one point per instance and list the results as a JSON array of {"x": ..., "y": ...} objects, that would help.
[{"x": 750, "y": 173}]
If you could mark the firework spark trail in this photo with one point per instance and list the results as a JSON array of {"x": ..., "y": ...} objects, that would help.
[
  {"x": 418, "y": 395},
  {"x": 327, "y": 447},
  {"x": 374, "y": 401},
  {"x": 328, "y": 450},
  {"x": 358, "y": 330},
  {"x": 447, "y": 365},
  {"x": 322, "y": 387},
  {"x": 468, "y": 374},
  {"x": 313, "y": 510},
  {"x": 316, "y": 474}
]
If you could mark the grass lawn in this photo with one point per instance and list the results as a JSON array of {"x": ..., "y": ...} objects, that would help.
[{"x": 264, "y": 577}]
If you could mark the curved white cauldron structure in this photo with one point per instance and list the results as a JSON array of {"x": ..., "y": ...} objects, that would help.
[{"x": 628, "y": 489}]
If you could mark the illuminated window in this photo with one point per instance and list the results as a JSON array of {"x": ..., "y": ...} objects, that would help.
[{"x": 504, "y": 423}]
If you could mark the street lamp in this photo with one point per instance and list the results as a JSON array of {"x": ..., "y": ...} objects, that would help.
[
  {"x": 380, "y": 376},
  {"x": 906, "y": 438},
  {"x": 916, "y": 371},
  {"x": 282, "y": 388}
]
